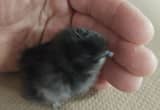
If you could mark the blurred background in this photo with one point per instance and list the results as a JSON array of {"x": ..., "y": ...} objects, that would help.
[{"x": 147, "y": 98}]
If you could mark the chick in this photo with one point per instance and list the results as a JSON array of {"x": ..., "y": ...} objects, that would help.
[{"x": 65, "y": 67}]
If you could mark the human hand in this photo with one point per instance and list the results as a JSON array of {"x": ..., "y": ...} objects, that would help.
[
  {"x": 26, "y": 23},
  {"x": 127, "y": 31}
]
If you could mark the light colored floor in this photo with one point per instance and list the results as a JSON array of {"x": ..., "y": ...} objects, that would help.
[{"x": 147, "y": 98}]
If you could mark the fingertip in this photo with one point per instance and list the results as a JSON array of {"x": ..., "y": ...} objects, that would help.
[
  {"x": 153, "y": 62},
  {"x": 131, "y": 24},
  {"x": 145, "y": 31},
  {"x": 101, "y": 85},
  {"x": 138, "y": 60},
  {"x": 150, "y": 31},
  {"x": 130, "y": 86}
]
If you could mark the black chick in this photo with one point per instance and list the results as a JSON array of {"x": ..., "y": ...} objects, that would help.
[{"x": 64, "y": 67}]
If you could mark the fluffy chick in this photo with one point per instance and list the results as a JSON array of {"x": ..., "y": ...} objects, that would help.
[{"x": 64, "y": 67}]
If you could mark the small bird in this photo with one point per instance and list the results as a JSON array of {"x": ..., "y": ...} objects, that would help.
[{"x": 65, "y": 67}]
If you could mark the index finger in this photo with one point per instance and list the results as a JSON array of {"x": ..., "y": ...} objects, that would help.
[{"x": 120, "y": 16}]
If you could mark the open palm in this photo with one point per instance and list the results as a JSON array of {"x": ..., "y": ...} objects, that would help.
[{"x": 28, "y": 22}]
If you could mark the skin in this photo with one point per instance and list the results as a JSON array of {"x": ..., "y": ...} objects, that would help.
[{"x": 25, "y": 23}]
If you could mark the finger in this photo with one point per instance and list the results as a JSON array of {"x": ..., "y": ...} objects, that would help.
[
  {"x": 138, "y": 60},
  {"x": 135, "y": 59},
  {"x": 119, "y": 77},
  {"x": 120, "y": 16},
  {"x": 101, "y": 84},
  {"x": 80, "y": 20}
]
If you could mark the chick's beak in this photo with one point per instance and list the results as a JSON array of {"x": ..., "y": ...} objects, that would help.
[{"x": 107, "y": 54}]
